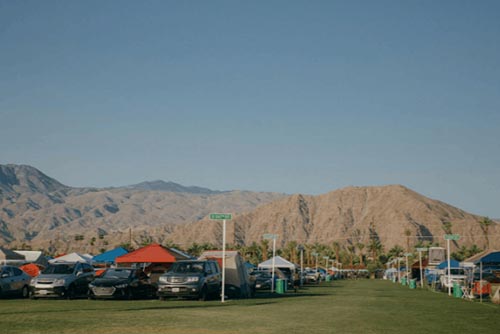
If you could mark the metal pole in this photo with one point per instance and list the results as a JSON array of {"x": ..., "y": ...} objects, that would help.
[
  {"x": 481, "y": 281},
  {"x": 421, "y": 274},
  {"x": 399, "y": 272},
  {"x": 223, "y": 260},
  {"x": 407, "y": 271},
  {"x": 449, "y": 270},
  {"x": 274, "y": 256},
  {"x": 301, "y": 267},
  {"x": 316, "y": 262}
]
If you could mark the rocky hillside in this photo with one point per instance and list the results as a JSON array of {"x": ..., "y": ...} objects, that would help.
[
  {"x": 38, "y": 210},
  {"x": 350, "y": 215}
]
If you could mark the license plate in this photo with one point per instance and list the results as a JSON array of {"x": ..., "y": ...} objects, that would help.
[
  {"x": 43, "y": 292},
  {"x": 176, "y": 289}
]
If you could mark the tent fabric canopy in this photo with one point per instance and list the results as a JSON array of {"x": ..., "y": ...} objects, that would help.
[
  {"x": 110, "y": 256},
  {"x": 453, "y": 264},
  {"x": 73, "y": 257},
  {"x": 279, "y": 262},
  {"x": 7, "y": 255},
  {"x": 490, "y": 258},
  {"x": 153, "y": 253}
]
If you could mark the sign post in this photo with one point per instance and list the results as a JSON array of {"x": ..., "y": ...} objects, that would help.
[
  {"x": 420, "y": 250},
  {"x": 273, "y": 237},
  {"x": 223, "y": 217},
  {"x": 316, "y": 255},
  {"x": 408, "y": 271},
  {"x": 301, "y": 249},
  {"x": 449, "y": 237}
]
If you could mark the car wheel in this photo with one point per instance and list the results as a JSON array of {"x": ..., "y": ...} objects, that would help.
[
  {"x": 203, "y": 294},
  {"x": 25, "y": 293}
]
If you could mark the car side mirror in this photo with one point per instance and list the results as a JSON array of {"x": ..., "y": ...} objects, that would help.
[
  {"x": 5, "y": 275},
  {"x": 79, "y": 273}
]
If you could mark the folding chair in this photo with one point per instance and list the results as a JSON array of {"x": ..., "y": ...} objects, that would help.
[{"x": 467, "y": 293}]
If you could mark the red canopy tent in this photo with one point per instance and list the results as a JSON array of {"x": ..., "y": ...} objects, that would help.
[{"x": 153, "y": 253}]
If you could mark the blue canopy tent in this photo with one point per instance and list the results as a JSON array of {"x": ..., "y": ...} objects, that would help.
[
  {"x": 453, "y": 264},
  {"x": 492, "y": 258},
  {"x": 109, "y": 256}
]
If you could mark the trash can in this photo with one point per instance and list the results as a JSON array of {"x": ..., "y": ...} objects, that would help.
[
  {"x": 328, "y": 278},
  {"x": 457, "y": 290},
  {"x": 403, "y": 281},
  {"x": 413, "y": 283},
  {"x": 280, "y": 286}
]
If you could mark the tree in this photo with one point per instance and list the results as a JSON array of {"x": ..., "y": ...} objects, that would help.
[
  {"x": 447, "y": 227},
  {"x": 408, "y": 235},
  {"x": 485, "y": 225}
]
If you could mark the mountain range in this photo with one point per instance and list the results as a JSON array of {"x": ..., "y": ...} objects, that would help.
[{"x": 38, "y": 211}]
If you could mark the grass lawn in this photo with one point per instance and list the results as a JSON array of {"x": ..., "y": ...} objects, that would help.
[{"x": 363, "y": 306}]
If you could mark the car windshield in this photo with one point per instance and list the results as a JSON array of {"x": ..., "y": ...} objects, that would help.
[
  {"x": 117, "y": 273},
  {"x": 63, "y": 269},
  {"x": 195, "y": 267}
]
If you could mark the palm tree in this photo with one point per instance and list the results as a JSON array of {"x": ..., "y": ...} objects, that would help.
[
  {"x": 264, "y": 246},
  {"x": 360, "y": 247},
  {"x": 485, "y": 225},
  {"x": 408, "y": 235}
]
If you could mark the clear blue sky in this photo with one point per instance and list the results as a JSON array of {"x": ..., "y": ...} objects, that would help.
[{"x": 285, "y": 96}]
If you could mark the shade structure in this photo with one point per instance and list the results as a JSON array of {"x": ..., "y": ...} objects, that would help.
[
  {"x": 73, "y": 257},
  {"x": 110, "y": 256},
  {"x": 279, "y": 262},
  {"x": 8, "y": 256},
  {"x": 153, "y": 253},
  {"x": 492, "y": 258},
  {"x": 453, "y": 264}
]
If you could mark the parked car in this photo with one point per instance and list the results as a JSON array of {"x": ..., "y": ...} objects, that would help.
[
  {"x": 191, "y": 279},
  {"x": 126, "y": 283},
  {"x": 63, "y": 279},
  {"x": 263, "y": 278},
  {"x": 312, "y": 276},
  {"x": 14, "y": 281}
]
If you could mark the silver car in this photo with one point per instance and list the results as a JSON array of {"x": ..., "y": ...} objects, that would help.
[
  {"x": 14, "y": 281},
  {"x": 62, "y": 279}
]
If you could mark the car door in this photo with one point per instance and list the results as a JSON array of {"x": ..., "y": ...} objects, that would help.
[
  {"x": 6, "y": 280},
  {"x": 17, "y": 279}
]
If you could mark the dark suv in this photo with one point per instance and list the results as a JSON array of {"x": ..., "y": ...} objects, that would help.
[{"x": 192, "y": 279}]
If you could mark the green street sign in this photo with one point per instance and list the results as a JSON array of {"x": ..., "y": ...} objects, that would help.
[
  {"x": 452, "y": 236},
  {"x": 408, "y": 254},
  {"x": 423, "y": 249},
  {"x": 270, "y": 236},
  {"x": 221, "y": 216}
]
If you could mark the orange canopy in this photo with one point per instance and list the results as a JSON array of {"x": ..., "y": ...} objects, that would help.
[
  {"x": 153, "y": 253},
  {"x": 31, "y": 269}
]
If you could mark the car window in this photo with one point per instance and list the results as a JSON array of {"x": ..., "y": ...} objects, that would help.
[
  {"x": 118, "y": 273},
  {"x": 60, "y": 269},
  {"x": 187, "y": 267},
  {"x": 214, "y": 267},
  {"x": 7, "y": 271},
  {"x": 17, "y": 271}
]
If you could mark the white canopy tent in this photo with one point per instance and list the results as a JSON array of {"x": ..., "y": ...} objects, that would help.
[
  {"x": 279, "y": 262},
  {"x": 73, "y": 257}
]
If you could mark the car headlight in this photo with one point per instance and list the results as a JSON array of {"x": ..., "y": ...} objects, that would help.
[
  {"x": 163, "y": 279},
  {"x": 59, "y": 281},
  {"x": 91, "y": 285},
  {"x": 193, "y": 279},
  {"x": 33, "y": 281},
  {"x": 121, "y": 286}
]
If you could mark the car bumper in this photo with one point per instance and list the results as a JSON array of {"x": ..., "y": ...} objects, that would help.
[
  {"x": 47, "y": 292},
  {"x": 178, "y": 291}
]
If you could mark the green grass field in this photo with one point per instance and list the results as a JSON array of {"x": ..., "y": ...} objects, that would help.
[{"x": 363, "y": 306}]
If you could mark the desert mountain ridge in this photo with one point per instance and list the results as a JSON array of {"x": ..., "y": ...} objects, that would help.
[{"x": 41, "y": 212}]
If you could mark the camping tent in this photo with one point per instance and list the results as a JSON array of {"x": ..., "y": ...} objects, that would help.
[
  {"x": 73, "y": 257},
  {"x": 7, "y": 256},
  {"x": 237, "y": 282},
  {"x": 444, "y": 264},
  {"x": 109, "y": 256}
]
